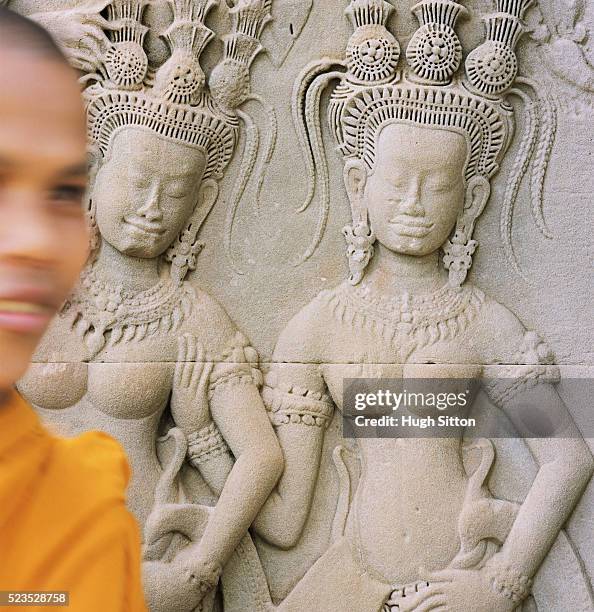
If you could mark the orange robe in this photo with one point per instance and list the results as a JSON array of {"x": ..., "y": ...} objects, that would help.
[{"x": 64, "y": 525}]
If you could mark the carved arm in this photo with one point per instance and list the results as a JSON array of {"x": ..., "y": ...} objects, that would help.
[
  {"x": 566, "y": 466},
  {"x": 209, "y": 454},
  {"x": 300, "y": 416},
  {"x": 525, "y": 390},
  {"x": 238, "y": 413}
]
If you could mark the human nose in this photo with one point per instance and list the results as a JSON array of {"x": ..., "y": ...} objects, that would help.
[
  {"x": 151, "y": 209},
  {"x": 410, "y": 203},
  {"x": 28, "y": 233}
]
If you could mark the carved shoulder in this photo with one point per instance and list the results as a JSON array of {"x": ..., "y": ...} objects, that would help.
[
  {"x": 210, "y": 324},
  {"x": 61, "y": 343},
  {"x": 304, "y": 337},
  {"x": 497, "y": 333},
  {"x": 501, "y": 338}
]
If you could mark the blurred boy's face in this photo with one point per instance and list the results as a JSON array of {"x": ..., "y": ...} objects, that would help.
[{"x": 43, "y": 236}]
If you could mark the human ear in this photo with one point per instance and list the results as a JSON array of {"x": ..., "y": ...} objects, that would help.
[
  {"x": 355, "y": 180},
  {"x": 207, "y": 196},
  {"x": 476, "y": 197}
]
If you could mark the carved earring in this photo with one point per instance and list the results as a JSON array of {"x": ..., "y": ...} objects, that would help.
[
  {"x": 183, "y": 255},
  {"x": 360, "y": 239},
  {"x": 94, "y": 234},
  {"x": 457, "y": 259},
  {"x": 91, "y": 209}
]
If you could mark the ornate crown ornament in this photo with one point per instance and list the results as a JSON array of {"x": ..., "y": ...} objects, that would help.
[
  {"x": 375, "y": 89},
  {"x": 174, "y": 100}
]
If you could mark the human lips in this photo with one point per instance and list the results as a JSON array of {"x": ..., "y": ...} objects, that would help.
[
  {"x": 147, "y": 227},
  {"x": 28, "y": 311},
  {"x": 414, "y": 227}
]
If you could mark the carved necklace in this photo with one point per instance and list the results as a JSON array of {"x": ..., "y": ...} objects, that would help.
[
  {"x": 425, "y": 318},
  {"x": 99, "y": 309}
]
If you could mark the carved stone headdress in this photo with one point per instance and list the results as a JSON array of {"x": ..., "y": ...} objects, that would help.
[
  {"x": 374, "y": 90},
  {"x": 174, "y": 100}
]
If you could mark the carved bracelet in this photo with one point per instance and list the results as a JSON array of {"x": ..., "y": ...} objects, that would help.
[
  {"x": 206, "y": 444},
  {"x": 508, "y": 581}
]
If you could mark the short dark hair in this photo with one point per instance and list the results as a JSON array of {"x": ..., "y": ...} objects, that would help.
[{"x": 18, "y": 32}]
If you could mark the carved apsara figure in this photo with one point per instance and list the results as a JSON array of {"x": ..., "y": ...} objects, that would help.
[
  {"x": 420, "y": 144},
  {"x": 136, "y": 351}
]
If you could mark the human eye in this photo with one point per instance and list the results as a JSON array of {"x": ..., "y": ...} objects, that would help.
[
  {"x": 393, "y": 192},
  {"x": 67, "y": 196},
  {"x": 178, "y": 194},
  {"x": 440, "y": 184},
  {"x": 178, "y": 190}
]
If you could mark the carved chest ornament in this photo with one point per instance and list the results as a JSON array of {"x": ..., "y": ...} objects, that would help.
[
  {"x": 99, "y": 307},
  {"x": 421, "y": 319},
  {"x": 374, "y": 90}
]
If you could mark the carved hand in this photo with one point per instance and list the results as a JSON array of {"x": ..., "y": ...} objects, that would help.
[
  {"x": 80, "y": 32},
  {"x": 173, "y": 586},
  {"x": 457, "y": 591},
  {"x": 189, "y": 400}
]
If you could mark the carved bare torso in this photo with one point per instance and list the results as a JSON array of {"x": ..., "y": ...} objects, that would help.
[
  {"x": 411, "y": 492},
  {"x": 123, "y": 398},
  {"x": 123, "y": 389},
  {"x": 413, "y": 523}
]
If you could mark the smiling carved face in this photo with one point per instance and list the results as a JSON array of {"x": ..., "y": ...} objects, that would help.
[
  {"x": 145, "y": 191},
  {"x": 417, "y": 189}
]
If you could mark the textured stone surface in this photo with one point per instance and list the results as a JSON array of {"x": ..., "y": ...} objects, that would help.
[{"x": 148, "y": 348}]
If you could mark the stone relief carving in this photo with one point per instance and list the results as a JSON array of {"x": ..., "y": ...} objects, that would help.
[
  {"x": 564, "y": 40},
  {"x": 81, "y": 32},
  {"x": 139, "y": 351},
  {"x": 289, "y": 19},
  {"x": 420, "y": 146},
  {"x": 145, "y": 355}
]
